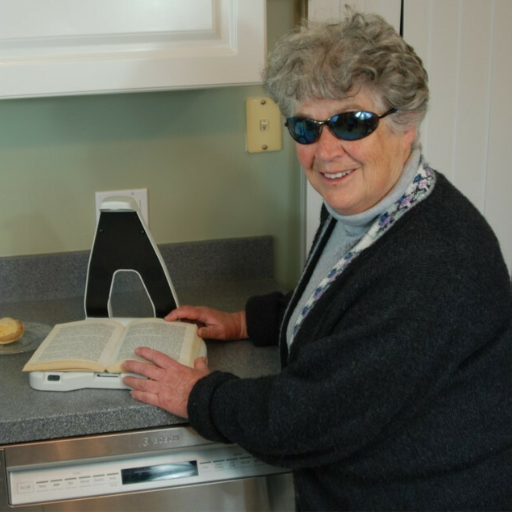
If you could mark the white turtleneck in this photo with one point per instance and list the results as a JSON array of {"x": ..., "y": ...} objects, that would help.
[{"x": 349, "y": 229}]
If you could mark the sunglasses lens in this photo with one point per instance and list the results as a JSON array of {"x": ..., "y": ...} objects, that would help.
[
  {"x": 345, "y": 126},
  {"x": 303, "y": 130},
  {"x": 353, "y": 125}
]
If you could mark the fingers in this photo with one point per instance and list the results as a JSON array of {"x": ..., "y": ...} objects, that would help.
[
  {"x": 162, "y": 363},
  {"x": 216, "y": 324},
  {"x": 144, "y": 396},
  {"x": 211, "y": 327},
  {"x": 143, "y": 390},
  {"x": 210, "y": 332},
  {"x": 156, "y": 357},
  {"x": 154, "y": 371},
  {"x": 167, "y": 388},
  {"x": 142, "y": 386},
  {"x": 188, "y": 313},
  {"x": 145, "y": 369},
  {"x": 201, "y": 364}
]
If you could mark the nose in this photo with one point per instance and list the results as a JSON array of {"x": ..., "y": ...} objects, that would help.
[{"x": 328, "y": 146}]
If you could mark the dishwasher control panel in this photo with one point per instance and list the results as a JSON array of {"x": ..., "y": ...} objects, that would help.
[{"x": 80, "y": 479}]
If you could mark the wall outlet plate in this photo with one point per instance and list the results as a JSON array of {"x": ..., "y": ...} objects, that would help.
[{"x": 140, "y": 195}]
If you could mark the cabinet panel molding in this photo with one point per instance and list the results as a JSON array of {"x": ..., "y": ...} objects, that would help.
[{"x": 60, "y": 47}]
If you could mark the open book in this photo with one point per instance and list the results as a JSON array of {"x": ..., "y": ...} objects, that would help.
[{"x": 102, "y": 345}]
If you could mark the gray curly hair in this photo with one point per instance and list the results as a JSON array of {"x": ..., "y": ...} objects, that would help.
[{"x": 334, "y": 60}]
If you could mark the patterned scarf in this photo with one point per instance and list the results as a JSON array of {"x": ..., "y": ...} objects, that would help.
[{"x": 421, "y": 186}]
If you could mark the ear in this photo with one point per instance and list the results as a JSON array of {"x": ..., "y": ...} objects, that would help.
[{"x": 408, "y": 137}]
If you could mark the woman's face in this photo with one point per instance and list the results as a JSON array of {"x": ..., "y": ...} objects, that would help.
[{"x": 352, "y": 176}]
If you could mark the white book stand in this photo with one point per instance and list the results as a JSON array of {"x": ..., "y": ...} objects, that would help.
[{"x": 122, "y": 243}]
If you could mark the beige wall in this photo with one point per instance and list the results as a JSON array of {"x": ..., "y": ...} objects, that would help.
[{"x": 186, "y": 147}]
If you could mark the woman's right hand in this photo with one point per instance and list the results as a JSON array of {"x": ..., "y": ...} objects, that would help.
[{"x": 217, "y": 325}]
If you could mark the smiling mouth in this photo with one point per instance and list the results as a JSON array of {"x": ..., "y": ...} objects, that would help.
[{"x": 337, "y": 175}]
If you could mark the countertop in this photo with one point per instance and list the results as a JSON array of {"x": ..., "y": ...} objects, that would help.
[{"x": 28, "y": 415}]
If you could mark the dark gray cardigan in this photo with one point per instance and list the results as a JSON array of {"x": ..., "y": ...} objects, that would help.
[{"x": 397, "y": 391}]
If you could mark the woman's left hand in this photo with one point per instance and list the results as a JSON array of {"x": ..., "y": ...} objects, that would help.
[{"x": 168, "y": 384}]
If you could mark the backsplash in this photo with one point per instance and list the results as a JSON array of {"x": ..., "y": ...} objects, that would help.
[{"x": 63, "y": 275}]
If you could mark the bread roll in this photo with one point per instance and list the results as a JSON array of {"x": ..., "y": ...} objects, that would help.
[{"x": 11, "y": 330}]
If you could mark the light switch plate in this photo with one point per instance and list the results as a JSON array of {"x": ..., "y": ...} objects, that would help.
[{"x": 264, "y": 131}]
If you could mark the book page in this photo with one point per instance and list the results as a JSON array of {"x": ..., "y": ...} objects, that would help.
[
  {"x": 171, "y": 338},
  {"x": 86, "y": 340}
]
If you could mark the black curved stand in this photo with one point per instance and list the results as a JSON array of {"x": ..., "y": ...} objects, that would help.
[{"x": 123, "y": 243}]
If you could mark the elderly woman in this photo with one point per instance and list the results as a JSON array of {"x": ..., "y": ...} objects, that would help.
[{"x": 396, "y": 384}]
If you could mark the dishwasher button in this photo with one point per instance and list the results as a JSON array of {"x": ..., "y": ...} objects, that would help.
[
  {"x": 43, "y": 485},
  {"x": 99, "y": 480},
  {"x": 113, "y": 478},
  {"x": 70, "y": 483},
  {"x": 205, "y": 467},
  {"x": 25, "y": 487},
  {"x": 85, "y": 481},
  {"x": 232, "y": 463},
  {"x": 219, "y": 465},
  {"x": 57, "y": 485}
]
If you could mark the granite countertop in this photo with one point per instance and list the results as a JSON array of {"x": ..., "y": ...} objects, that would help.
[{"x": 29, "y": 415}]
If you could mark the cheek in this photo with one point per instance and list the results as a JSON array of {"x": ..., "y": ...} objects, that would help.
[
  {"x": 377, "y": 153},
  {"x": 305, "y": 154}
]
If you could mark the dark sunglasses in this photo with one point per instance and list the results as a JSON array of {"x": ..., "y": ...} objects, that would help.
[{"x": 344, "y": 126}]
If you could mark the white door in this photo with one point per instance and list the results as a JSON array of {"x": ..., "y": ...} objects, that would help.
[{"x": 465, "y": 46}]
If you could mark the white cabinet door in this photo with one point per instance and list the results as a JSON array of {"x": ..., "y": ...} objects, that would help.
[
  {"x": 58, "y": 47},
  {"x": 465, "y": 46},
  {"x": 326, "y": 10}
]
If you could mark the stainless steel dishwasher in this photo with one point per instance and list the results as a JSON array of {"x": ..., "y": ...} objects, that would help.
[{"x": 165, "y": 469}]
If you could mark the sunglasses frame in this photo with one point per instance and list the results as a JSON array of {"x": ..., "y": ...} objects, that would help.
[{"x": 372, "y": 124}]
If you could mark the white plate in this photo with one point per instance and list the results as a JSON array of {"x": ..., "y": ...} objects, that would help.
[{"x": 34, "y": 334}]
